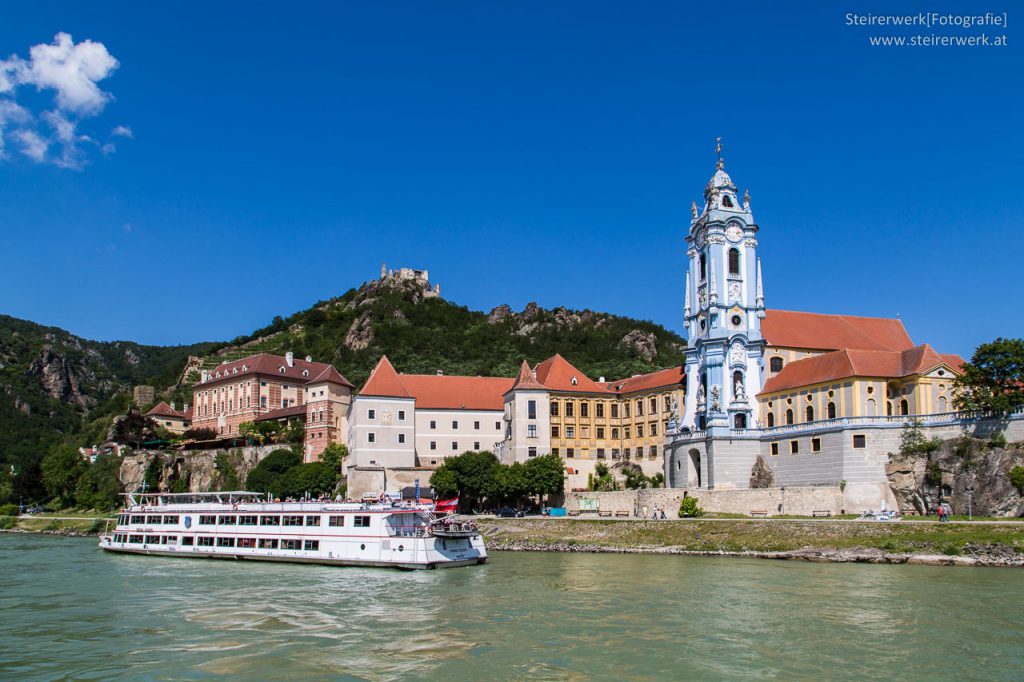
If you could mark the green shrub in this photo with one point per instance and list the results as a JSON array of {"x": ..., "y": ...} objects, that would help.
[
  {"x": 998, "y": 440},
  {"x": 7, "y": 522},
  {"x": 9, "y": 510},
  {"x": 1017, "y": 478},
  {"x": 933, "y": 474},
  {"x": 689, "y": 508}
]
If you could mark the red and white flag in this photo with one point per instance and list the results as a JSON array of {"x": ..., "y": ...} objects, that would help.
[{"x": 447, "y": 505}]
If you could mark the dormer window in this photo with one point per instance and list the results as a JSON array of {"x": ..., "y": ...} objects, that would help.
[
  {"x": 245, "y": 368},
  {"x": 234, "y": 371},
  {"x": 574, "y": 381},
  {"x": 281, "y": 369},
  {"x": 305, "y": 372},
  {"x": 727, "y": 201}
]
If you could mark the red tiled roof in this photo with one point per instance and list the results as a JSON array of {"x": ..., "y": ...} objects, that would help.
[
  {"x": 526, "y": 379},
  {"x": 283, "y": 412},
  {"x": 954, "y": 361},
  {"x": 441, "y": 392},
  {"x": 162, "y": 409},
  {"x": 660, "y": 379},
  {"x": 301, "y": 372},
  {"x": 557, "y": 374},
  {"x": 333, "y": 376},
  {"x": 848, "y": 362},
  {"x": 384, "y": 381},
  {"x": 790, "y": 329}
]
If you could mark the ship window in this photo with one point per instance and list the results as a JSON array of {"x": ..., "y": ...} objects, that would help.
[
  {"x": 311, "y": 545},
  {"x": 204, "y": 542},
  {"x": 269, "y": 521},
  {"x": 152, "y": 539},
  {"x": 135, "y": 539},
  {"x": 205, "y": 520},
  {"x": 337, "y": 521},
  {"x": 247, "y": 520},
  {"x": 187, "y": 541},
  {"x": 268, "y": 543},
  {"x": 226, "y": 520},
  {"x": 247, "y": 543},
  {"x": 170, "y": 519},
  {"x": 138, "y": 519},
  {"x": 154, "y": 520},
  {"x": 312, "y": 520},
  {"x": 362, "y": 522},
  {"x": 291, "y": 544},
  {"x": 293, "y": 521},
  {"x": 225, "y": 542}
]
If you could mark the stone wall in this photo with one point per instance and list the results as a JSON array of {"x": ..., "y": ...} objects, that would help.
[
  {"x": 803, "y": 501},
  {"x": 198, "y": 467}
]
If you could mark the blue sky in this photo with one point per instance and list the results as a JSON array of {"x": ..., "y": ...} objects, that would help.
[{"x": 520, "y": 151}]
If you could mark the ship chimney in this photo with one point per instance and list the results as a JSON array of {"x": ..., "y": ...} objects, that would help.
[{"x": 289, "y": 359}]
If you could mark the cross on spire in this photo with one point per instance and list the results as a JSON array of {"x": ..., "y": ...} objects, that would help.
[{"x": 718, "y": 150}]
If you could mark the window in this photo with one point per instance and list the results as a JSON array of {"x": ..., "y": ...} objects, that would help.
[
  {"x": 225, "y": 520},
  {"x": 292, "y": 521},
  {"x": 600, "y": 432},
  {"x": 775, "y": 364},
  {"x": 155, "y": 520},
  {"x": 615, "y": 434},
  {"x": 570, "y": 431},
  {"x": 291, "y": 544},
  {"x": 187, "y": 541},
  {"x": 497, "y": 426},
  {"x": 200, "y": 541},
  {"x": 815, "y": 445},
  {"x": 904, "y": 407},
  {"x": 810, "y": 413},
  {"x": 476, "y": 426},
  {"x": 734, "y": 261},
  {"x": 554, "y": 432},
  {"x": 570, "y": 453},
  {"x": 584, "y": 409},
  {"x": 531, "y": 431},
  {"x": 476, "y": 445},
  {"x": 401, "y": 415},
  {"x": 455, "y": 424},
  {"x": 225, "y": 542},
  {"x": 153, "y": 540},
  {"x": 433, "y": 424},
  {"x": 794, "y": 447},
  {"x": 270, "y": 520},
  {"x": 654, "y": 405},
  {"x": 639, "y": 408},
  {"x": 775, "y": 448},
  {"x": 212, "y": 519},
  {"x": 789, "y": 416},
  {"x": 362, "y": 522},
  {"x": 830, "y": 409},
  {"x": 433, "y": 445},
  {"x": 654, "y": 428},
  {"x": 554, "y": 451},
  {"x": 639, "y": 430},
  {"x": 268, "y": 543},
  {"x": 626, "y": 433},
  {"x": 625, "y": 410},
  {"x": 600, "y": 453},
  {"x": 455, "y": 445},
  {"x": 771, "y": 419},
  {"x": 248, "y": 520},
  {"x": 401, "y": 438},
  {"x": 739, "y": 421},
  {"x": 263, "y": 401},
  {"x": 569, "y": 409},
  {"x": 703, "y": 267},
  {"x": 531, "y": 409},
  {"x": 599, "y": 410},
  {"x": 554, "y": 409},
  {"x": 859, "y": 441},
  {"x": 371, "y": 437},
  {"x": 531, "y": 452},
  {"x": 371, "y": 414},
  {"x": 311, "y": 545},
  {"x": 247, "y": 543},
  {"x": 336, "y": 521},
  {"x": 312, "y": 520}
]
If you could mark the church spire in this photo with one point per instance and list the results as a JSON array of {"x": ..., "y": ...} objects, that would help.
[
  {"x": 718, "y": 150},
  {"x": 759, "y": 302},
  {"x": 686, "y": 296}
]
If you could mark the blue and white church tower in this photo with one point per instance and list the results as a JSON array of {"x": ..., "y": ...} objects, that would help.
[{"x": 724, "y": 305}]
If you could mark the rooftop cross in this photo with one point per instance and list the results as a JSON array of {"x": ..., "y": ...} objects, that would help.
[{"x": 718, "y": 150}]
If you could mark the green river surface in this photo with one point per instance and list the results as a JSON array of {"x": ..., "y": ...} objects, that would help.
[{"x": 71, "y": 611}]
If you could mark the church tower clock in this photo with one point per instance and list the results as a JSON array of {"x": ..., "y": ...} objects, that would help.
[{"x": 724, "y": 305}]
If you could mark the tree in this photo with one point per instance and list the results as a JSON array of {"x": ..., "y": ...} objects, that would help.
[
  {"x": 1016, "y": 475},
  {"x": 264, "y": 476},
  {"x": 602, "y": 478},
  {"x": 993, "y": 380},
  {"x": 913, "y": 442},
  {"x": 334, "y": 456},
  {"x": 134, "y": 428},
  {"x": 470, "y": 475},
  {"x": 226, "y": 464},
  {"x": 153, "y": 474},
  {"x": 99, "y": 485},
  {"x": 545, "y": 475},
  {"x": 260, "y": 432},
  {"x": 294, "y": 432},
  {"x": 60, "y": 470},
  {"x": 315, "y": 478},
  {"x": 511, "y": 483},
  {"x": 689, "y": 508},
  {"x": 202, "y": 433}
]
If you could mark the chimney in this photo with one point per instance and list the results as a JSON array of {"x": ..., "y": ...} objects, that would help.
[
  {"x": 600, "y": 380},
  {"x": 184, "y": 408},
  {"x": 172, "y": 404},
  {"x": 309, "y": 358},
  {"x": 289, "y": 359}
]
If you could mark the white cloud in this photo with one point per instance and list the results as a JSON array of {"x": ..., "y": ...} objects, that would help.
[{"x": 71, "y": 70}]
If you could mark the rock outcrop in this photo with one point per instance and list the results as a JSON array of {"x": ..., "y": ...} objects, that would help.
[
  {"x": 196, "y": 468},
  {"x": 57, "y": 376},
  {"x": 643, "y": 345}
]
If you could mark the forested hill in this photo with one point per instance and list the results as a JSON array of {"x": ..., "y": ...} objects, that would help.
[
  {"x": 424, "y": 334},
  {"x": 56, "y": 387}
]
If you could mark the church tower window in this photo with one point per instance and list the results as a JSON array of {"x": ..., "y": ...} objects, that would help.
[
  {"x": 771, "y": 419},
  {"x": 775, "y": 364},
  {"x": 703, "y": 267},
  {"x": 740, "y": 421},
  {"x": 831, "y": 410},
  {"x": 726, "y": 201},
  {"x": 904, "y": 407},
  {"x": 734, "y": 261},
  {"x": 810, "y": 413},
  {"x": 789, "y": 416}
]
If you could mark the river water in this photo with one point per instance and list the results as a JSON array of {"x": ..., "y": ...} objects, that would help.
[{"x": 69, "y": 610}]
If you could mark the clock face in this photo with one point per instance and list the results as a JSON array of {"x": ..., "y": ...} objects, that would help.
[{"x": 734, "y": 233}]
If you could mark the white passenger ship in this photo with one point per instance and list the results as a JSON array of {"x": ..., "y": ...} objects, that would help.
[{"x": 243, "y": 525}]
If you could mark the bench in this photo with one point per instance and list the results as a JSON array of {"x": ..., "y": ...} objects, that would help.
[
  {"x": 622, "y": 512},
  {"x": 820, "y": 512},
  {"x": 604, "y": 513},
  {"x": 759, "y": 512}
]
